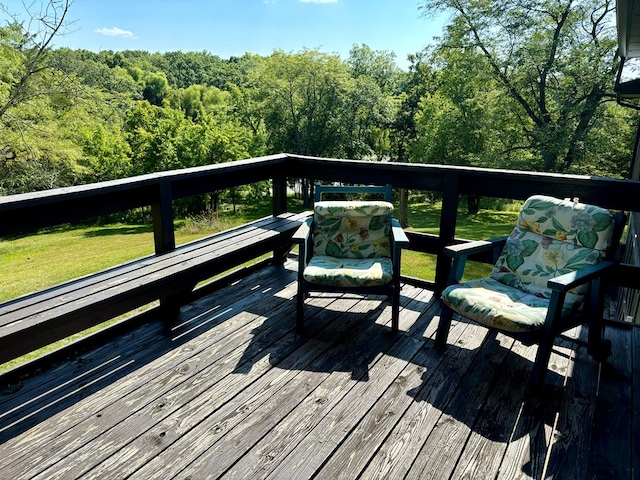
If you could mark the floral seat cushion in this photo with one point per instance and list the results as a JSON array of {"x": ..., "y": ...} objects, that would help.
[
  {"x": 348, "y": 272},
  {"x": 552, "y": 237},
  {"x": 355, "y": 230},
  {"x": 496, "y": 305}
]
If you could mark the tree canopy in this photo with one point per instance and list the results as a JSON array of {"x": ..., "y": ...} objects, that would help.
[
  {"x": 509, "y": 84},
  {"x": 554, "y": 60}
]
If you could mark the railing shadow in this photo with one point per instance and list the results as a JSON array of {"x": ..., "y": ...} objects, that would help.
[
  {"x": 26, "y": 402},
  {"x": 483, "y": 387}
]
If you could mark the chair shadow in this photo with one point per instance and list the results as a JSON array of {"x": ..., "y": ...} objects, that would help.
[
  {"x": 486, "y": 388},
  {"x": 332, "y": 340}
]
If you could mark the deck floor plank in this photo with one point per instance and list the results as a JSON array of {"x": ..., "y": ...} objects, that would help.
[
  {"x": 169, "y": 365},
  {"x": 233, "y": 392},
  {"x": 569, "y": 450},
  {"x": 635, "y": 420},
  {"x": 274, "y": 393},
  {"x": 338, "y": 359},
  {"x": 525, "y": 456},
  {"x": 452, "y": 451},
  {"x": 610, "y": 455},
  {"x": 265, "y": 455},
  {"x": 209, "y": 380}
]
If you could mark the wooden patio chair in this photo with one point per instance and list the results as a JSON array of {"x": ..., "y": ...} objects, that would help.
[
  {"x": 546, "y": 279},
  {"x": 350, "y": 246}
]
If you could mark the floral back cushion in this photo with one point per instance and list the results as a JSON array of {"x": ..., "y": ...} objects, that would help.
[
  {"x": 552, "y": 237},
  {"x": 352, "y": 229}
]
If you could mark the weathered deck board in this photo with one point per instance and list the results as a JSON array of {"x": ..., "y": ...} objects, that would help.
[
  {"x": 610, "y": 455},
  {"x": 233, "y": 392}
]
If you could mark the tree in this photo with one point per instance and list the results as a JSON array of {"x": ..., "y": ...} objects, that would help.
[
  {"x": 555, "y": 59},
  {"x": 372, "y": 105},
  {"x": 156, "y": 88},
  {"x": 301, "y": 98},
  {"x": 24, "y": 49},
  {"x": 379, "y": 65}
]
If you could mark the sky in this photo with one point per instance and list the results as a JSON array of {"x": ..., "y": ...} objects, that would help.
[{"x": 233, "y": 27}]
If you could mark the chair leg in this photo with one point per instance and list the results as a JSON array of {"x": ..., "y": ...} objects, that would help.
[
  {"x": 300, "y": 310},
  {"x": 597, "y": 346},
  {"x": 540, "y": 364},
  {"x": 395, "y": 311},
  {"x": 446, "y": 315}
]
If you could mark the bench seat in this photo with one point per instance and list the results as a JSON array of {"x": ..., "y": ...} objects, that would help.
[{"x": 43, "y": 317}]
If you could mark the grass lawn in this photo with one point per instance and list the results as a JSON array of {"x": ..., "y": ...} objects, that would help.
[
  {"x": 31, "y": 263},
  {"x": 426, "y": 218}
]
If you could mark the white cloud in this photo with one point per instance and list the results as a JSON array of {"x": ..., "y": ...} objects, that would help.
[{"x": 115, "y": 32}]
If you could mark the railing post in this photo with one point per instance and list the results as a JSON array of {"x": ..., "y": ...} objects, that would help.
[
  {"x": 162, "y": 215},
  {"x": 448, "y": 219},
  {"x": 280, "y": 206},
  {"x": 280, "y": 191}
]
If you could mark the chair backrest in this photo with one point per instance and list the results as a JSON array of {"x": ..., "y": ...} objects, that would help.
[
  {"x": 352, "y": 229},
  {"x": 344, "y": 189},
  {"x": 553, "y": 237}
]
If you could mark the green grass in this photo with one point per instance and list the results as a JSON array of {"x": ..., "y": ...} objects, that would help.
[
  {"x": 425, "y": 218},
  {"x": 33, "y": 262}
]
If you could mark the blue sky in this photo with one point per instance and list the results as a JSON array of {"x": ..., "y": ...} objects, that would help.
[{"x": 233, "y": 27}]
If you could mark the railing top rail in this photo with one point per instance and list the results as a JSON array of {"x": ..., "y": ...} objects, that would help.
[
  {"x": 139, "y": 181},
  {"x": 29, "y": 211}
]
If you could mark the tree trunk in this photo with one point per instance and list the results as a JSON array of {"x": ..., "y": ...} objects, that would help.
[
  {"x": 473, "y": 204},
  {"x": 215, "y": 196},
  {"x": 404, "y": 208}
]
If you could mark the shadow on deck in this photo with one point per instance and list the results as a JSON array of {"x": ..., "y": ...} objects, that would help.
[{"x": 233, "y": 392}]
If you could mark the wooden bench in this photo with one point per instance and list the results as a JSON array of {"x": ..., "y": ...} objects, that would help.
[{"x": 41, "y": 318}]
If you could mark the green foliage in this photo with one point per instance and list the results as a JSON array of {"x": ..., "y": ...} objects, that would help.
[
  {"x": 550, "y": 64},
  {"x": 156, "y": 88},
  {"x": 506, "y": 86}
]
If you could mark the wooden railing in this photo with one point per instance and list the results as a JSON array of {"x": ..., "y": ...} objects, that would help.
[
  {"x": 628, "y": 300},
  {"x": 452, "y": 182},
  {"x": 25, "y": 213}
]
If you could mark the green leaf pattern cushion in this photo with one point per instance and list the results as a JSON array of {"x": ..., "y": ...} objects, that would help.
[
  {"x": 352, "y": 229},
  {"x": 496, "y": 305},
  {"x": 552, "y": 237},
  {"x": 348, "y": 272}
]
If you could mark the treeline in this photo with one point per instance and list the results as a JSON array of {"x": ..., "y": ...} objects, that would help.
[{"x": 544, "y": 103}]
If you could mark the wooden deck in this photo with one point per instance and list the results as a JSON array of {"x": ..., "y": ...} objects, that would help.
[{"x": 232, "y": 392}]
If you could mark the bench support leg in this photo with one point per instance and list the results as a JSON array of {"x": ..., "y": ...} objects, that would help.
[
  {"x": 280, "y": 254},
  {"x": 170, "y": 306}
]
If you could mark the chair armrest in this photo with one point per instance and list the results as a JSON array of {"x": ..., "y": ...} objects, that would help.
[
  {"x": 566, "y": 282},
  {"x": 303, "y": 232},
  {"x": 475, "y": 246},
  {"x": 461, "y": 251},
  {"x": 399, "y": 236}
]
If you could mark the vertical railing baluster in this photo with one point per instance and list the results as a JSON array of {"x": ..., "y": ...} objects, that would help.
[
  {"x": 162, "y": 215},
  {"x": 448, "y": 219}
]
